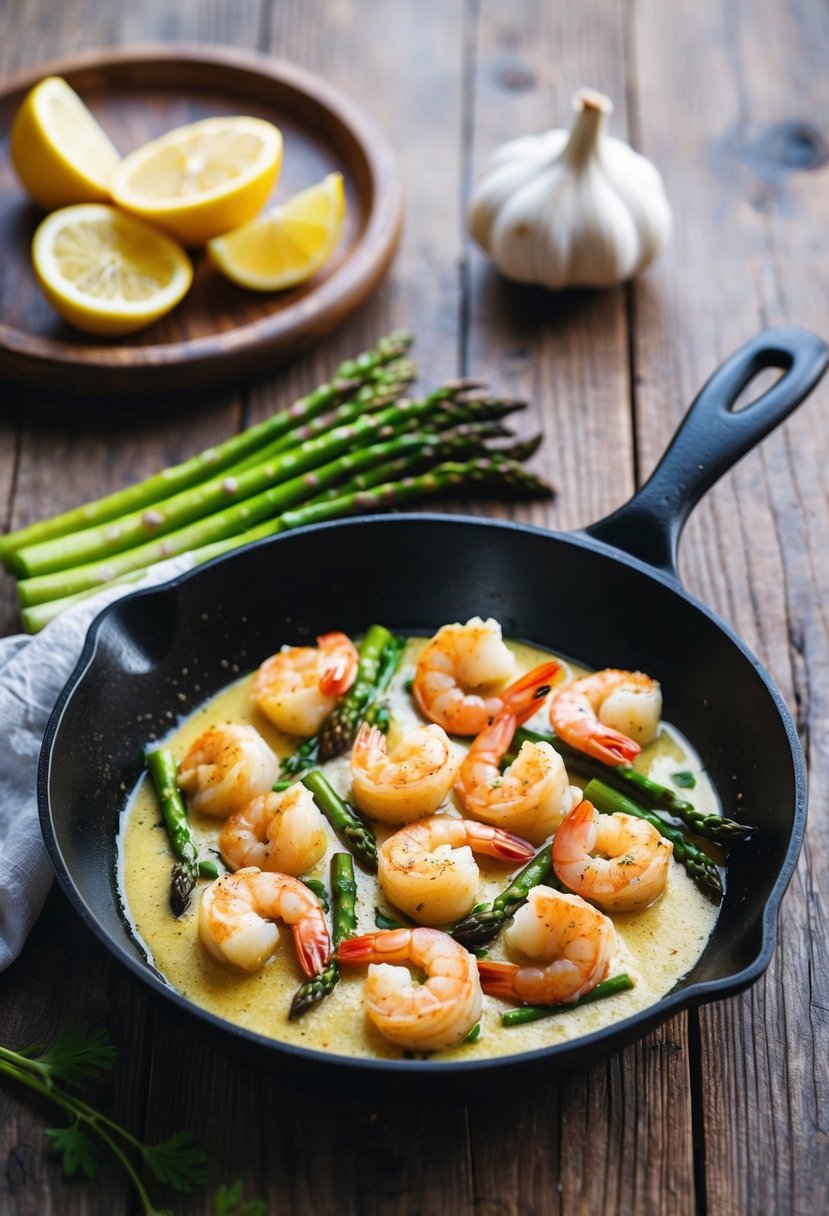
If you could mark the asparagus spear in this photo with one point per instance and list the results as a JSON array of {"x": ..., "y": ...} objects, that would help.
[
  {"x": 532, "y": 1013},
  {"x": 338, "y": 444},
  {"x": 348, "y": 376},
  {"x": 483, "y": 924},
  {"x": 387, "y": 384},
  {"x": 493, "y": 473},
  {"x": 187, "y": 868},
  {"x": 379, "y": 654},
  {"x": 714, "y": 827},
  {"x": 195, "y": 502},
  {"x": 698, "y": 864},
  {"x": 344, "y": 819},
  {"x": 235, "y": 518},
  {"x": 344, "y": 925},
  {"x": 339, "y": 730}
]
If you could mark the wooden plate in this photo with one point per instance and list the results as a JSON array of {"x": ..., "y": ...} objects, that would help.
[{"x": 219, "y": 333}]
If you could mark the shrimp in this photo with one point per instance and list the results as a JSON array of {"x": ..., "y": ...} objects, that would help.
[
  {"x": 226, "y": 767},
  {"x": 530, "y": 797},
  {"x": 461, "y": 659},
  {"x": 592, "y": 713},
  {"x": 618, "y": 861},
  {"x": 426, "y": 1017},
  {"x": 428, "y": 871},
  {"x": 410, "y": 781},
  {"x": 280, "y": 832},
  {"x": 573, "y": 942},
  {"x": 237, "y": 912},
  {"x": 298, "y": 687}
]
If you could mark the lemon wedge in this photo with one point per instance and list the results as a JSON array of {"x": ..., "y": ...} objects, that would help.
[
  {"x": 287, "y": 244},
  {"x": 203, "y": 179},
  {"x": 60, "y": 153},
  {"x": 106, "y": 272}
]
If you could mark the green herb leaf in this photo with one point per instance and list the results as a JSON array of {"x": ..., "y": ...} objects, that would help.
[
  {"x": 229, "y": 1201},
  {"x": 78, "y": 1055},
  {"x": 474, "y": 1034},
  {"x": 685, "y": 780},
  {"x": 382, "y": 921},
  {"x": 177, "y": 1162},
  {"x": 77, "y": 1147}
]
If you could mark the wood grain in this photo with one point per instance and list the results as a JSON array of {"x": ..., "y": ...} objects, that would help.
[
  {"x": 724, "y": 1111},
  {"x": 750, "y": 249}
]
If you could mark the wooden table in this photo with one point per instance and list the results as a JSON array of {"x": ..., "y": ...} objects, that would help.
[{"x": 722, "y": 1110}]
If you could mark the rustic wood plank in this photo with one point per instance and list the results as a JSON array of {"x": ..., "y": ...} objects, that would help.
[
  {"x": 60, "y": 462},
  {"x": 568, "y": 354},
  {"x": 367, "y": 1156},
  {"x": 751, "y": 249},
  {"x": 565, "y": 352}
]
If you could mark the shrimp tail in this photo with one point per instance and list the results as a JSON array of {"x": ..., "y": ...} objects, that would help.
[
  {"x": 312, "y": 944},
  {"x": 523, "y": 696},
  {"x": 507, "y": 846},
  {"x": 368, "y": 739},
  {"x": 612, "y": 746},
  {"x": 498, "y": 979},
  {"x": 338, "y": 663},
  {"x": 357, "y": 949},
  {"x": 494, "y": 740}
]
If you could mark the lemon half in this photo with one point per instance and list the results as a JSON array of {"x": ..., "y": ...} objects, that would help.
[
  {"x": 60, "y": 153},
  {"x": 287, "y": 244},
  {"x": 203, "y": 179},
  {"x": 106, "y": 272}
]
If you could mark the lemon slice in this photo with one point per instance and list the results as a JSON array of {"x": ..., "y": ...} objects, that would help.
[
  {"x": 287, "y": 244},
  {"x": 60, "y": 153},
  {"x": 203, "y": 179},
  {"x": 106, "y": 272}
]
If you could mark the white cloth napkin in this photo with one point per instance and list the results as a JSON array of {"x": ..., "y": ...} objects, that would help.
[{"x": 33, "y": 670}]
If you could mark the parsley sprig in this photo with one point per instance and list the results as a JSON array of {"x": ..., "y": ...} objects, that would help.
[{"x": 77, "y": 1057}]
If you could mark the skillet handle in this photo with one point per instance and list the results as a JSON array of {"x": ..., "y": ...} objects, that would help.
[{"x": 711, "y": 438}]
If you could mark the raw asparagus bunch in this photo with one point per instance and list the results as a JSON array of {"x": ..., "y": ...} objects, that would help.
[
  {"x": 344, "y": 925},
  {"x": 626, "y": 779},
  {"x": 484, "y": 923},
  {"x": 187, "y": 867},
  {"x": 495, "y": 473},
  {"x": 202, "y": 516},
  {"x": 347, "y": 379},
  {"x": 344, "y": 819}
]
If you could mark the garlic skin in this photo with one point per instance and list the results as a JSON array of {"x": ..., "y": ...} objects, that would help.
[{"x": 571, "y": 208}]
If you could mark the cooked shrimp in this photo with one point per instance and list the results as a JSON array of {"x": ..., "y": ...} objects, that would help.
[
  {"x": 298, "y": 687},
  {"x": 428, "y": 871},
  {"x": 237, "y": 912},
  {"x": 459, "y": 662},
  {"x": 407, "y": 782},
  {"x": 426, "y": 1017},
  {"x": 618, "y": 861},
  {"x": 529, "y": 797},
  {"x": 600, "y": 714},
  {"x": 226, "y": 767},
  {"x": 282, "y": 832},
  {"x": 573, "y": 942}
]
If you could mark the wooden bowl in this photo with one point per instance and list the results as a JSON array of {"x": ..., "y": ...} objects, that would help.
[{"x": 219, "y": 333}]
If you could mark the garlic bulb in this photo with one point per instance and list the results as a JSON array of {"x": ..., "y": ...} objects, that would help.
[{"x": 571, "y": 208}]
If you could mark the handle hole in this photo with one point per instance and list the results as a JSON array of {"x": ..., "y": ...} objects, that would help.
[{"x": 757, "y": 386}]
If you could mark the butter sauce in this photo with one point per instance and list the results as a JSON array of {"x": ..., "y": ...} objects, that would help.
[{"x": 657, "y": 946}]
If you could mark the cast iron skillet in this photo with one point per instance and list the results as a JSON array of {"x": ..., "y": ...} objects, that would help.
[{"x": 609, "y": 595}]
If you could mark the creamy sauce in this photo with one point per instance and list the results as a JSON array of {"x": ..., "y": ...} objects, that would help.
[{"x": 657, "y": 946}]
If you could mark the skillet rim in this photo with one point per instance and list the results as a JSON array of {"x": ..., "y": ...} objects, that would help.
[{"x": 603, "y": 1041}]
